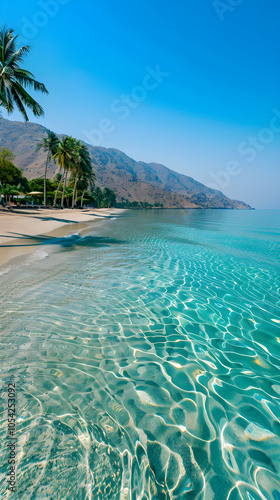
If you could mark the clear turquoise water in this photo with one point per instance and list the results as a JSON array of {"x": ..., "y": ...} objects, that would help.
[{"x": 146, "y": 357}]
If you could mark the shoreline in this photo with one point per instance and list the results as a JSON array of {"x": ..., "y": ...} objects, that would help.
[{"x": 22, "y": 231}]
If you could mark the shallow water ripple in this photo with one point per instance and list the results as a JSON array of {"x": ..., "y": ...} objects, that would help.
[{"x": 147, "y": 368}]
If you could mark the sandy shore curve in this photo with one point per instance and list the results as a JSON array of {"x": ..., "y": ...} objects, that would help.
[{"x": 21, "y": 229}]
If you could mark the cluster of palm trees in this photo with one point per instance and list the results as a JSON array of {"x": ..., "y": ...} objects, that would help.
[{"x": 73, "y": 159}]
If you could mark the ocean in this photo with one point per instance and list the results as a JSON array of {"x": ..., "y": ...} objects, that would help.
[{"x": 144, "y": 354}]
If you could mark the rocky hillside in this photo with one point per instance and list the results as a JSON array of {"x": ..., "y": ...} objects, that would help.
[{"x": 132, "y": 180}]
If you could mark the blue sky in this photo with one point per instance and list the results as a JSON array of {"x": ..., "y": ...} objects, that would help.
[{"x": 192, "y": 84}]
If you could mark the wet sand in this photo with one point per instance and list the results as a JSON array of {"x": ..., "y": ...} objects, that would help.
[{"x": 21, "y": 230}]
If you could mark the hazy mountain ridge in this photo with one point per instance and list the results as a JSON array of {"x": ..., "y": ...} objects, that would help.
[{"x": 132, "y": 180}]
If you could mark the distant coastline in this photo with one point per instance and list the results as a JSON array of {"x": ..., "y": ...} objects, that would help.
[{"x": 134, "y": 182}]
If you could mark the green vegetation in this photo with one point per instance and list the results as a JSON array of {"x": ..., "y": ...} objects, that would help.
[
  {"x": 125, "y": 203},
  {"x": 81, "y": 171},
  {"x": 73, "y": 185},
  {"x": 73, "y": 157},
  {"x": 105, "y": 199},
  {"x": 12, "y": 182},
  {"x": 85, "y": 193},
  {"x": 9, "y": 173},
  {"x": 14, "y": 79},
  {"x": 48, "y": 144},
  {"x": 64, "y": 158}
]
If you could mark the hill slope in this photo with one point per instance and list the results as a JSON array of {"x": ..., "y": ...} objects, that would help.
[{"x": 132, "y": 180}]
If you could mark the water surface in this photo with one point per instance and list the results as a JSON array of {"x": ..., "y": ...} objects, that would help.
[{"x": 146, "y": 357}]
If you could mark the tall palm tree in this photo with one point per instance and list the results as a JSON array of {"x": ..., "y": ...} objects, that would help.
[
  {"x": 82, "y": 167},
  {"x": 87, "y": 182},
  {"x": 14, "y": 79},
  {"x": 49, "y": 144},
  {"x": 77, "y": 168},
  {"x": 98, "y": 195},
  {"x": 109, "y": 197},
  {"x": 65, "y": 158}
]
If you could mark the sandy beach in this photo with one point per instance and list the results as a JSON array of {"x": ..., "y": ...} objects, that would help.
[{"x": 22, "y": 229}]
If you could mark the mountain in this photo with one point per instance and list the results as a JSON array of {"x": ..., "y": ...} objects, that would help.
[{"x": 130, "y": 179}]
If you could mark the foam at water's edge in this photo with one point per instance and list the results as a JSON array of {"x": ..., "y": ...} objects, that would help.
[
  {"x": 38, "y": 254},
  {"x": 5, "y": 269}
]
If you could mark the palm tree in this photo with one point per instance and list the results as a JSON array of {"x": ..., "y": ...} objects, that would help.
[
  {"x": 77, "y": 169},
  {"x": 82, "y": 167},
  {"x": 14, "y": 79},
  {"x": 82, "y": 186},
  {"x": 10, "y": 191},
  {"x": 87, "y": 182},
  {"x": 65, "y": 158},
  {"x": 98, "y": 196},
  {"x": 109, "y": 197},
  {"x": 49, "y": 144}
]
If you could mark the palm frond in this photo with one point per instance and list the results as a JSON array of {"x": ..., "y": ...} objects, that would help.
[
  {"x": 17, "y": 56},
  {"x": 29, "y": 81},
  {"x": 19, "y": 104},
  {"x": 13, "y": 79},
  {"x": 28, "y": 100}
]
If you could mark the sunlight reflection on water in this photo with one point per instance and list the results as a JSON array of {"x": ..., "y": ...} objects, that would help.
[{"x": 146, "y": 359}]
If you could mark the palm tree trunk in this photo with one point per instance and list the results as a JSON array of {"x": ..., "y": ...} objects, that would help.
[
  {"x": 74, "y": 191},
  {"x": 56, "y": 193},
  {"x": 64, "y": 185},
  {"x": 82, "y": 198},
  {"x": 45, "y": 180}
]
